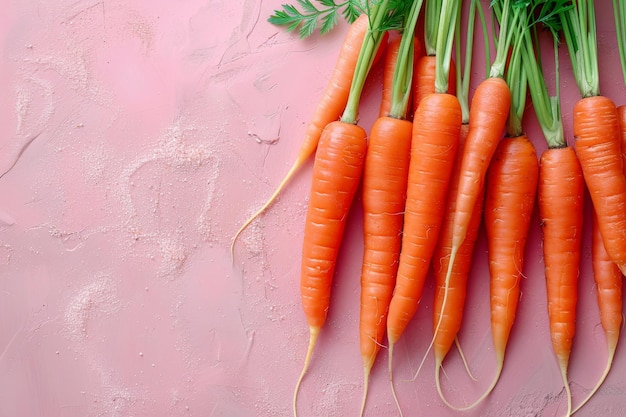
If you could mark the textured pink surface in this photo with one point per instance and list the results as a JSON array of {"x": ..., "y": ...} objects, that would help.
[{"x": 135, "y": 137}]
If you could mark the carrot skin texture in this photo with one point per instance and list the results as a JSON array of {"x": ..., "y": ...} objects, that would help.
[
  {"x": 560, "y": 197},
  {"x": 436, "y": 129},
  {"x": 511, "y": 189},
  {"x": 621, "y": 114},
  {"x": 489, "y": 111},
  {"x": 385, "y": 178},
  {"x": 597, "y": 144},
  {"x": 451, "y": 317},
  {"x": 336, "y": 176},
  {"x": 608, "y": 279}
]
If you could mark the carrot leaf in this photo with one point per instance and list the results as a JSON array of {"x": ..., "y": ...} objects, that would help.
[{"x": 309, "y": 17}]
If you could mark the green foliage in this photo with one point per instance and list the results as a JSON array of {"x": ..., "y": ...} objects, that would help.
[{"x": 309, "y": 17}]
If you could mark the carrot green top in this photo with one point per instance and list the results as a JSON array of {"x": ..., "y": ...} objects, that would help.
[
  {"x": 448, "y": 18},
  {"x": 547, "y": 108},
  {"x": 619, "y": 11},
  {"x": 579, "y": 28},
  {"x": 403, "y": 75},
  {"x": 383, "y": 15},
  {"x": 463, "y": 77}
]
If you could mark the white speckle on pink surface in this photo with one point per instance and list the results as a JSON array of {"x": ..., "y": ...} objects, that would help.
[{"x": 96, "y": 299}]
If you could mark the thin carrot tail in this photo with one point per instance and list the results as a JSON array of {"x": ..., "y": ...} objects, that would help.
[
  {"x": 611, "y": 354},
  {"x": 292, "y": 171},
  {"x": 313, "y": 334},
  {"x": 479, "y": 400},
  {"x": 464, "y": 359},
  {"x": 393, "y": 388},
  {"x": 563, "y": 362}
]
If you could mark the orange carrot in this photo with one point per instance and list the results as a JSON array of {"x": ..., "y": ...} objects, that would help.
[
  {"x": 450, "y": 317},
  {"x": 560, "y": 195},
  {"x": 621, "y": 114},
  {"x": 608, "y": 279},
  {"x": 336, "y": 175},
  {"x": 511, "y": 189},
  {"x": 384, "y": 192},
  {"x": 329, "y": 108},
  {"x": 597, "y": 134},
  {"x": 436, "y": 130}
]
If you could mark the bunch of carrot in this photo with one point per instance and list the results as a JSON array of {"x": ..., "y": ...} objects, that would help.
[{"x": 430, "y": 172}]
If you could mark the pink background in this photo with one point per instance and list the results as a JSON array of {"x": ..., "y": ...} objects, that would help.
[{"x": 135, "y": 137}]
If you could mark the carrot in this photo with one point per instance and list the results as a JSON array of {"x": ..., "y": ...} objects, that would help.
[
  {"x": 329, "y": 108},
  {"x": 560, "y": 195},
  {"x": 511, "y": 189},
  {"x": 384, "y": 193},
  {"x": 436, "y": 129},
  {"x": 597, "y": 134},
  {"x": 608, "y": 279},
  {"x": 448, "y": 315},
  {"x": 336, "y": 176}
]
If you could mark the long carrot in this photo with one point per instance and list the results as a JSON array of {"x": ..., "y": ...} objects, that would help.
[
  {"x": 596, "y": 132},
  {"x": 337, "y": 173},
  {"x": 511, "y": 184},
  {"x": 384, "y": 193},
  {"x": 560, "y": 195},
  {"x": 436, "y": 129},
  {"x": 448, "y": 317},
  {"x": 609, "y": 282},
  {"x": 328, "y": 109}
]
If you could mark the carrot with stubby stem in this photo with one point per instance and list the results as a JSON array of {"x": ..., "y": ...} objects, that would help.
[
  {"x": 329, "y": 109},
  {"x": 596, "y": 131},
  {"x": 336, "y": 176}
]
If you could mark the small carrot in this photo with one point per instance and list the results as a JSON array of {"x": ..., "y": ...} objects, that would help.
[{"x": 329, "y": 108}]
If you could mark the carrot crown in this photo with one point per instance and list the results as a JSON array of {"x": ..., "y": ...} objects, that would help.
[
  {"x": 579, "y": 28},
  {"x": 547, "y": 108},
  {"x": 463, "y": 77},
  {"x": 382, "y": 16},
  {"x": 403, "y": 75}
]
